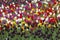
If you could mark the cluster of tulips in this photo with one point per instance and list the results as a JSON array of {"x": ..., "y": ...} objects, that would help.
[{"x": 31, "y": 15}]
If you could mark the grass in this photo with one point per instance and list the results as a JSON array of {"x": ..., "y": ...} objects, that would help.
[{"x": 31, "y": 37}]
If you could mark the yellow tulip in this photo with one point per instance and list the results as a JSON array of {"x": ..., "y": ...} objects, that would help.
[
  {"x": 22, "y": 28},
  {"x": 30, "y": 26},
  {"x": 40, "y": 24},
  {"x": 49, "y": 26},
  {"x": 33, "y": 9},
  {"x": 23, "y": 22}
]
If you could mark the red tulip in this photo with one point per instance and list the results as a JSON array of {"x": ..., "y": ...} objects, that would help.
[
  {"x": 41, "y": 21},
  {"x": 32, "y": 17},
  {"x": 5, "y": 11},
  {"x": 1, "y": 28},
  {"x": 11, "y": 6},
  {"x": 39, "y": 13},
  {"x": 52, "y": 20},
  {"x": 0, "y": 21},
  {"x": 50, "y": 9},
  {"x": 20, "y": 15},
  {"x": 39, "y": 4},
  {"x": 12, "y": 10},
  {"x": 0, "y": 12},
  {"x": 55, "y": 2},
  {"x": 17, "y": 5},
  {"x": 28, "y": 16}
]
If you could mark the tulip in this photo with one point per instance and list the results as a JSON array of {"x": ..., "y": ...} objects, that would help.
[
  {"x": 20, "y": 15},
  {"x": 39, "y": 4},
  {"x": 1, "y": 28},
  {"x": 7, "y": 26},
  {"x": 49, "y": 26},
  {"x": 50, "y": 9},
  {"x": 52, "y": 20},
  {"x": 58, "y": 16}
]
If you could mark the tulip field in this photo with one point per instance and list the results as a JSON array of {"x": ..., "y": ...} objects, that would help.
[{"x": 29, "y": 19}]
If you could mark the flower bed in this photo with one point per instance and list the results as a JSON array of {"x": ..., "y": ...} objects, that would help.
[{"x": 35, "y": 18}]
